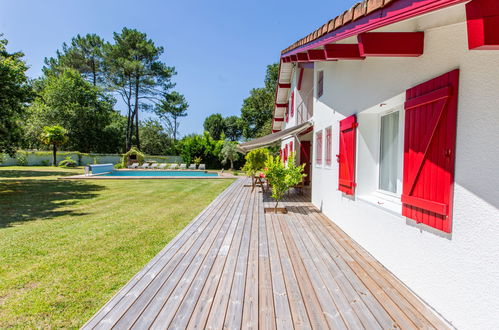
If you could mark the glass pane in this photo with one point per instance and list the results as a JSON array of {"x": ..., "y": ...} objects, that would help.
[{"x": 388, "y": 163}]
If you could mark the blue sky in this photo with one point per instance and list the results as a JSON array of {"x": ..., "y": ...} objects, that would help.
[{"x": 219, "y": 48}]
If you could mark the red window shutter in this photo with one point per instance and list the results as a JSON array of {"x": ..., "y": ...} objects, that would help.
[
  {"x": 292, "y": 104},
  {"x": 286, "y": 153},
  {"x": 429, "y": 151},
  {"x": 318, "y": 148},
  {"x": 280, "y": 153},
  {"x": 291, "y": 147},
  {"x": 328, "y": 146},
  {"x": 346, "y": 158}
]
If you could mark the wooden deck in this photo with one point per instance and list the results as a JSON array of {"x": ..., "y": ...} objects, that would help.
[{"x": 236, "y": 267}]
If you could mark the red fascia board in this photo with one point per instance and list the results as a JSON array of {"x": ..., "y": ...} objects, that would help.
[
  {"x": 343, "y": 52},
  {"x": 317, "y": 55},
  {"x": 482, "y": 18},
  {"x": 284, "y": 85},
  {"x": 395, "y": 12},
  {"x": 303, "y": 57},
  {"x": 293, "y": 58},
  {"x": 391, "y": 44},
  {"x": 281, "y": 105}
]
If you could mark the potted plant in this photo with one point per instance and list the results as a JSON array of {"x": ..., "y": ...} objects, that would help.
[{"x": 281, "y": 177}]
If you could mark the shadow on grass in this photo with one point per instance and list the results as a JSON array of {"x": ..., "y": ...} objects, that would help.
[
  {"x": 32, "y": 173},
  {"x": 28, "y": 200}
]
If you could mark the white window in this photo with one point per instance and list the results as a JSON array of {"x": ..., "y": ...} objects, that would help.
[{"x": 389, "y": 154}]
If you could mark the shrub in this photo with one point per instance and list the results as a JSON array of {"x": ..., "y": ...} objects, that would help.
[
  {"x": 22, "y": 158},
  {"x": 282, "y": 177},
  {"x": 255, "y": 161},
  {"x": 119, "y": 166},
  {"x": 197, "y": 160},
  {"x": 45, "y": 162},
  {"x": 67, "y": 162},
  {"x": 139, "y": 156}
]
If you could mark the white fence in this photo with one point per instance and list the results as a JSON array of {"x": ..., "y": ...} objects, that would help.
[{"x": 44, "y": 158}]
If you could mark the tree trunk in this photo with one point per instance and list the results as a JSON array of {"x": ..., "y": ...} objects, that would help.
[
  {"x": 174, "y": 129},
  {"x": 54, "y": 152},
  {"x": 137, "y": 111},
  {"x": 231, "y": 165},
  {"x": 275, "y": 207}
]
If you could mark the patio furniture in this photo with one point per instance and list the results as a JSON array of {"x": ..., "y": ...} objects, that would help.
[
  {"x": 202, "y": 167},
  {"x": 145, "y": 165},
  {"x": 173, "y": 166},
  {"x": 192, "y": 166},
  {"x": 134, "y": 165},
  {"x": 162, "y": 166},
  {"x": 183, "y": 166},
  {"x": 154, "y": 166}
]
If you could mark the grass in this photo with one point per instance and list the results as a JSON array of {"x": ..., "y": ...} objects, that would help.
[{"x": 67, "y": 246}]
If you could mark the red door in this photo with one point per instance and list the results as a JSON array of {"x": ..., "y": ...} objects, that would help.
[{"x": 305, "y": 159}]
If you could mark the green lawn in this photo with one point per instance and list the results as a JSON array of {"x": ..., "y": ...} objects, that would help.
[{"x": 67, "y": 246}]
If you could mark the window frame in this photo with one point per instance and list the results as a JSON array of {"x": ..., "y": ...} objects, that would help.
[
  {"x": 318, "y": 153},
  {"x": 328, "y": 146},
  {"x": 400, "y": 152}
]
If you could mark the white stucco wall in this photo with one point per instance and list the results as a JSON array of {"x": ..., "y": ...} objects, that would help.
[{"x": 457, "y": 274}]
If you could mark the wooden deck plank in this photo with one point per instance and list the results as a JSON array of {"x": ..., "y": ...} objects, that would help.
[
  {"x": 250, "y": 304},
  {"x": 266, "y": 315},
  {"x": 283, "y": 316},
  {"x": 235, "y": 267}
]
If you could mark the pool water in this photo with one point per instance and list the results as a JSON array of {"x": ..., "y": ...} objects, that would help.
[{"x": 161, "y": 173}]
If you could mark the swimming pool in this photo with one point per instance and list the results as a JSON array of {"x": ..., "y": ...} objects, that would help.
[{"x": 159, "y": 173}]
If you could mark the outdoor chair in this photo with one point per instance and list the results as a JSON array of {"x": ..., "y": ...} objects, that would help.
[
  {"x": 154, "y": 166},
  {"x": 162, "y": 166},
  {"x": 173, "y": 166},
  {"x": 202, "y": 167},
  {"x": 145, "y": 165},
  {"x": 134, "y": 165},
  {"x": 192, "y": 166},
  {"x": 183, "y": 166}
]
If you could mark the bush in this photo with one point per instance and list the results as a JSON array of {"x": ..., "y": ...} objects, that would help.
[
  {"x": 281, "y": 176},
  {"x": 139, "y": 156},
  {"x": 67, "y": 162},
  {"x": 45, "y": 162},
  {"x": 119, "y": 166},
  {"x": 22, "y": 158},
  {"x": 255, "y": 161}
]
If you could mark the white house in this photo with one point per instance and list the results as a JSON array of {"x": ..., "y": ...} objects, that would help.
[{"x": 394, "y": 108}]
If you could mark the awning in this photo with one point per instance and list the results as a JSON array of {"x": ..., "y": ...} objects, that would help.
[{"x": 272, "y": 139}]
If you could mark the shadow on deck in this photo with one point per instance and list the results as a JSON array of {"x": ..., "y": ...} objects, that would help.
[{"x": 236, "y": 267}]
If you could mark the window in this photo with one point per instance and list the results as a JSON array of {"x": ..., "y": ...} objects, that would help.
[
  {"x": 318, "y": 148},
  {"x": 292, "y": 104},
  {"x": 320, "y": 83},
  {"x": 389, "y": 156},
  {"x": 328, "y": 146}
]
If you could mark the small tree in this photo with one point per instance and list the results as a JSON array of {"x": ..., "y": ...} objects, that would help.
[
  {"x": 55, "y": 136},
  {"x": 282, "y": 177},
  {"x": 229, "y": 153},
  {"x": 255, "y": 161}
]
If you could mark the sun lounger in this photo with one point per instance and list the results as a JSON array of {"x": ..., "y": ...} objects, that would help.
[
  {"x": 183, "y": 166},
  {"x": 173, "y": 166},
  {"x": 145, "y": 165},
  {"x": 153, "y": 166},
  {"x": 202, "y": 167},
  {"x": 134, "y": 165},
  {"x": 192, "y": 166},
  {"x": 162, "y": 166}
]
